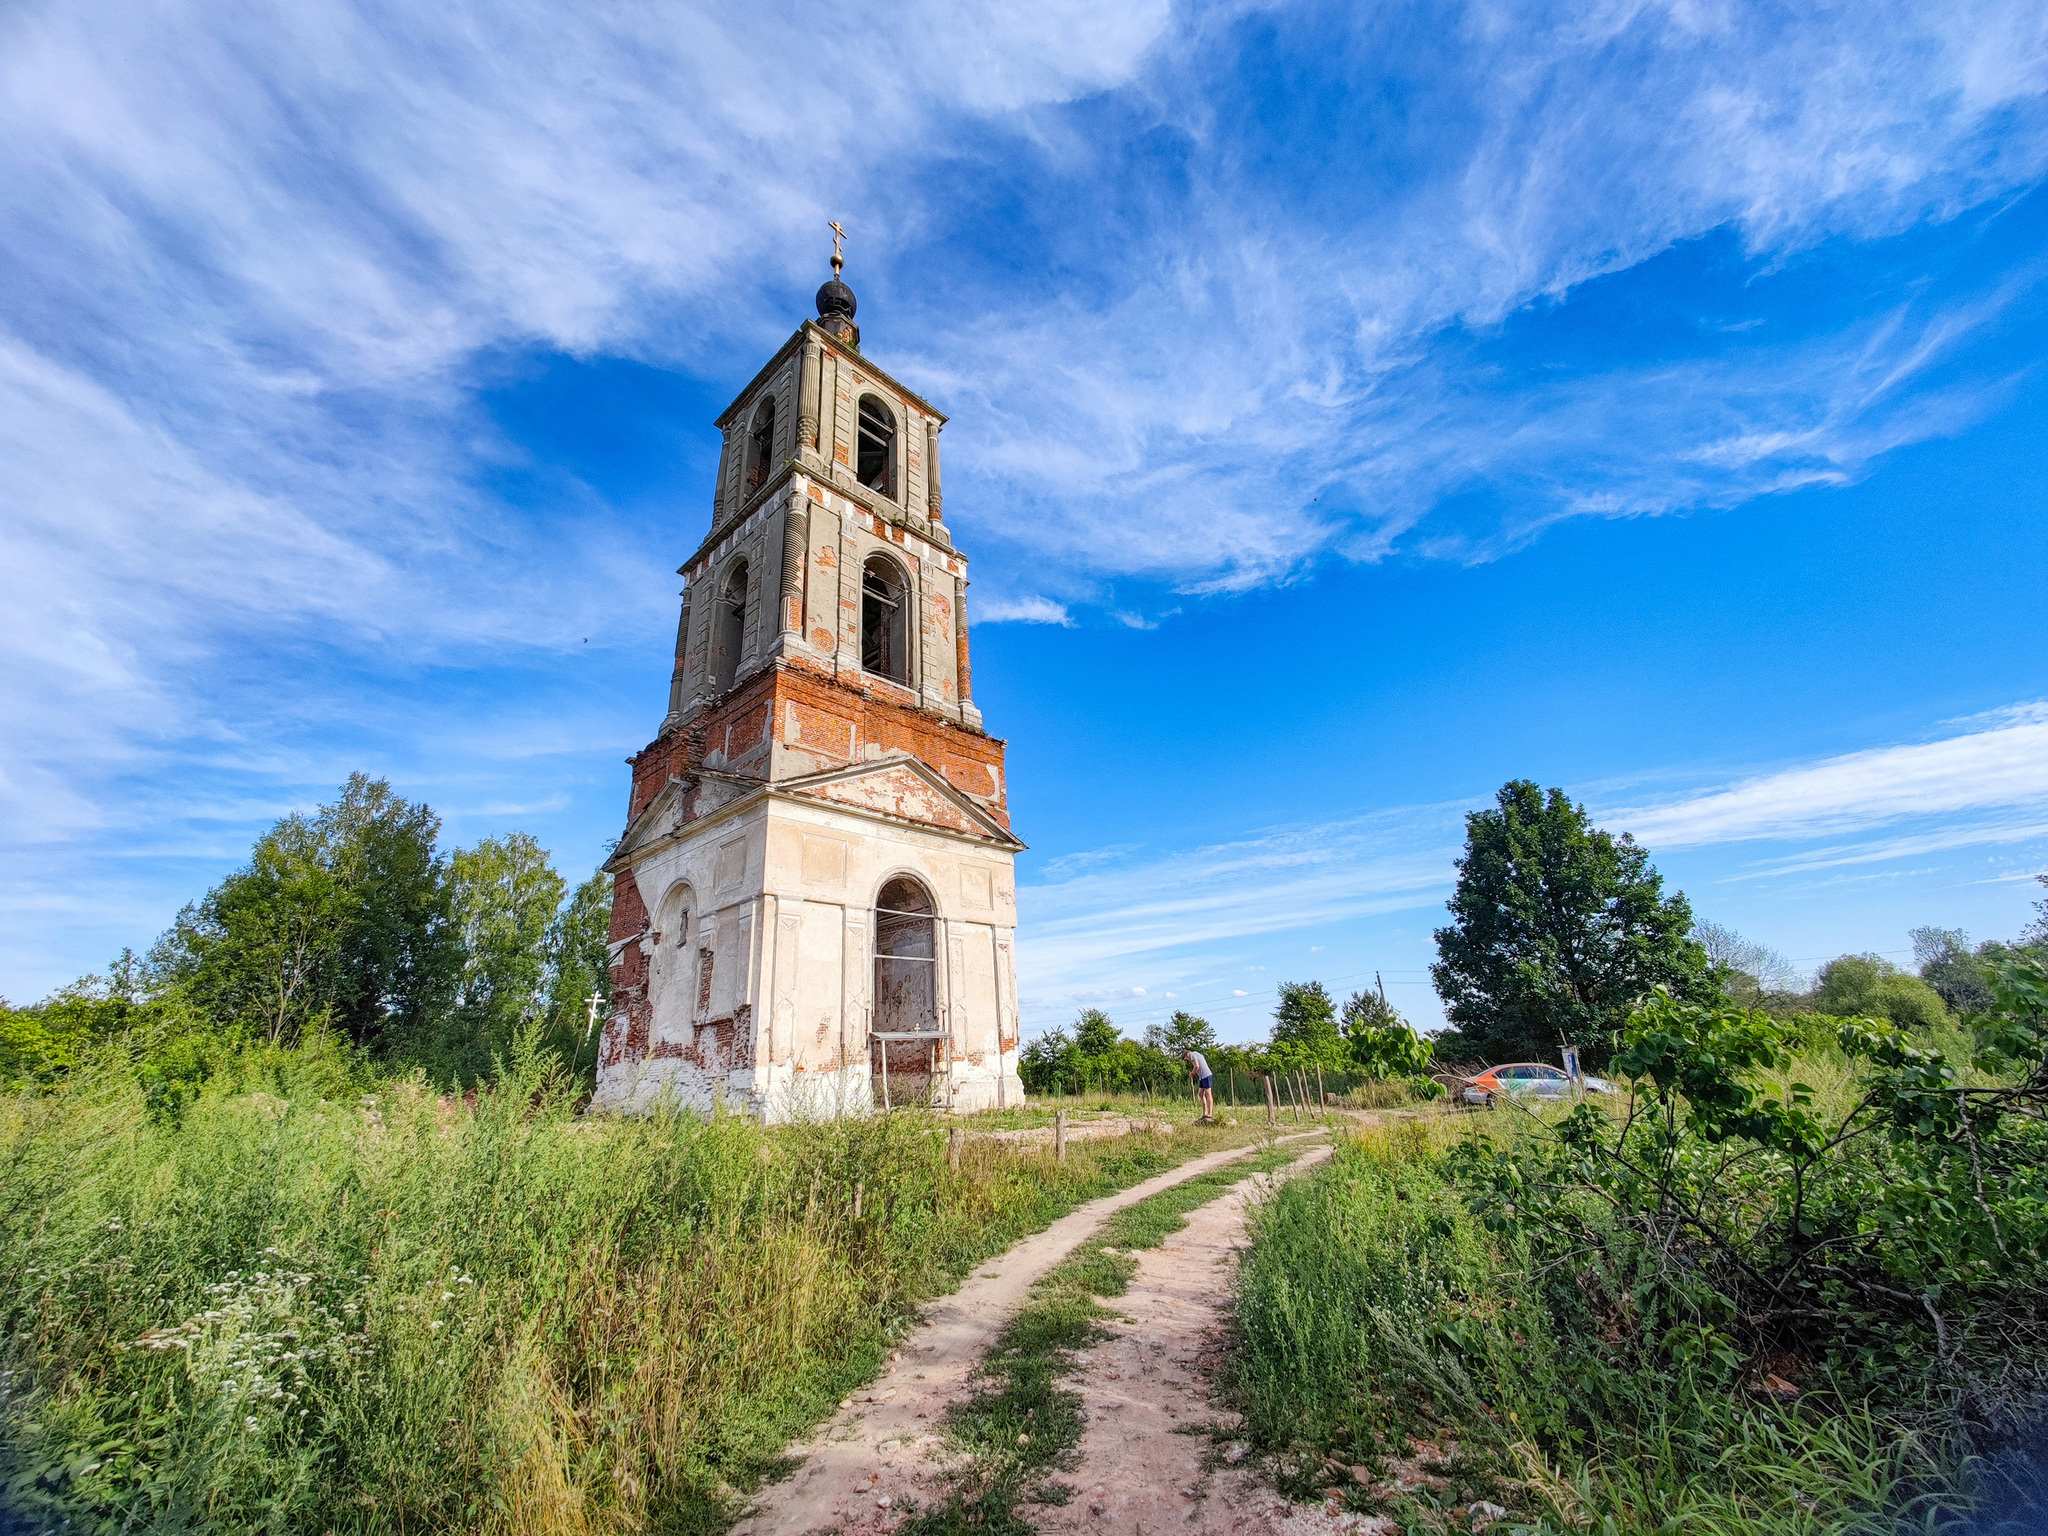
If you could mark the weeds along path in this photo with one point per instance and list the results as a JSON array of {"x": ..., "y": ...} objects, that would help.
[
  {"x": 858, "y": 1470},
  {"x": 1148, "y": 1460}
]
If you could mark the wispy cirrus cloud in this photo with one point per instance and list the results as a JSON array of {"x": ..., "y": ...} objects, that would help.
[
  {"x": 2001, "y": 763},
  {"x": 1211, "y": 291},
  {"x": 1175, "y": 918}
]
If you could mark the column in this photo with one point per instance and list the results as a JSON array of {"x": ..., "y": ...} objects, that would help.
[
  {"x": 675, "y": 682},
  {"x": 807, "y": 403},
  {"x": 718, "y": 486},
  {"x": 960, "y": 641},
  {"x": 796, "y": 538},
  {"x": 931, "y": 467}
]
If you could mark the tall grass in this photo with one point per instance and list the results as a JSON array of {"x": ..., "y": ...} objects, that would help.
[
  {"x": 1383, "y": 1327},
  {"x": 324, "y": 1300}
]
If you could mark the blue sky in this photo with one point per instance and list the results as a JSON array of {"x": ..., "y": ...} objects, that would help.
[{"x": 1351, "y": 410}]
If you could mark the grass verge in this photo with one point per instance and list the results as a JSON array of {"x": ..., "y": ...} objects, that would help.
[
  {"x": 1023, "y": 1423},
  {"x": 1394, "y": 1350},
  {"x": 325, "y": 1299}
]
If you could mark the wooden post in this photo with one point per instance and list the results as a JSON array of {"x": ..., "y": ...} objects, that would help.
[
  {"x": 1322, "y": 1097},
  {"x": 953, "y": 1139},
  {"x": 1059, "y": 1135},
  {"x": 1272, "y": 1110},
  {"x": 856, "y": 1202}
]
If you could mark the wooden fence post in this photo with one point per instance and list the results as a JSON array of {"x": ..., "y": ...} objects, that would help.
[
  {"x": 1059, "y": 1134},
  {"x": 1272, "y": 1110},
  {"x": 856, "y": 1202},
  {"x": 1322, "y": 1096}
]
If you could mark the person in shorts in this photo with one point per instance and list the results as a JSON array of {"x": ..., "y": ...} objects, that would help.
[{"x": 1205, "y": 1083}]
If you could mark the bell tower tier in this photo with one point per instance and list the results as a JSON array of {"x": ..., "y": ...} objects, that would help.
[{"x": 814, "y": 900}]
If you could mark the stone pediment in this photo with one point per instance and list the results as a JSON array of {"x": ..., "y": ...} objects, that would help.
[
  {"x": 902, "y": 788},
  {"x": 680, "y": 803}
]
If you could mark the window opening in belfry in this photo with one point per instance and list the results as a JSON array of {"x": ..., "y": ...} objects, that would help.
[
  {"x": 729, "y": 633},
  {"x": 877, "y": 446},
  {"x": 761, "y": 445},
  {"x": 883, "y": 599}
]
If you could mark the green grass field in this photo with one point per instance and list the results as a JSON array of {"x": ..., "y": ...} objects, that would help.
[{"x": 325, "y": 1300}]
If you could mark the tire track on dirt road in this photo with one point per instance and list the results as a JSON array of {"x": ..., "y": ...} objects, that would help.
[{"x": 859, "y": 1468}]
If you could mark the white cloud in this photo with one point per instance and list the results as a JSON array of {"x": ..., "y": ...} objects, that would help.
[
  {"x": 1879, "y": 850},
  {"x": 1344, "y": 386},
  {"x": 1018, "y": 610},
  {"x": 1177, "y": 917},
  {"x": 2003, "y": 763},
  {"x": 262, "y": 260}
]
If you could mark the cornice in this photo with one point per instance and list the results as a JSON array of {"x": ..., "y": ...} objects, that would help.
[{"x": 811, "y": 329}]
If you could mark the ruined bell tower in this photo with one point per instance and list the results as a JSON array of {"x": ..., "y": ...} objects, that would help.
[{"x": 814, "y": 902}]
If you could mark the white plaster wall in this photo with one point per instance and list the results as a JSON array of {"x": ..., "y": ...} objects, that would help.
[{"x": 786, "y": 891}]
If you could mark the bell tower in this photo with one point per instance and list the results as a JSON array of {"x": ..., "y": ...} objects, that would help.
[{"x": 814, "y": 900}]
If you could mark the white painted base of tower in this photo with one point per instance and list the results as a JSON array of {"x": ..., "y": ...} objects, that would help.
[{"x": 780, "y": 1094}]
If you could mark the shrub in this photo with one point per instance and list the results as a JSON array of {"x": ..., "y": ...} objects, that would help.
[{"x": 1740, "y": 1301}]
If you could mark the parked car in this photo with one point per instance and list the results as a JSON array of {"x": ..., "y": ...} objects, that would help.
[{"x": 1525, "y": 1079}]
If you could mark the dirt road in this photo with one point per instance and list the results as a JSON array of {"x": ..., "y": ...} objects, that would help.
[
  {"x": 1140, "y": 1474},
  {"x": 882, "y": 1449}
]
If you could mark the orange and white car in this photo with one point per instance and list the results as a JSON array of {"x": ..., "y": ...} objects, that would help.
[{"x": 1525, "y": 1080}]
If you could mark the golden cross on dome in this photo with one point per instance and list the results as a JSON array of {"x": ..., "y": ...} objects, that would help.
[{"x": 838, "y": 235}]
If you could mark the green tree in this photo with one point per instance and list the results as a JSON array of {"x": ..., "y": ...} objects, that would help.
[
  {"x": 1305, "y": 1032},
  {"x": 1558, "y": 930},
  {"x": 1748, "y": 973},
  {"x": 504, "y": 897},
  {"x": 1872, "y": 987},
  {"x": 1955, "y": 972},
  {"x": 1383, "y": 1044},
  {"x": 2036, "y": 934},
  {"x": 1182, "y": 1032},
  {"x": 579, "y": 966},
  {"x": 1051, "y": 1062},
  {"x": 342, "y": 918}
]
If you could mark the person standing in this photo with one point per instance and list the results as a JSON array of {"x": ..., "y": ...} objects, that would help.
[{"x": 1204, "y": 1081}]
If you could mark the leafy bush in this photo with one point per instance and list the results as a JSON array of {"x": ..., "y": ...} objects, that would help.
[
  {"x": 1382, "y": 1043},
  {"x": 1870, "y": 986},
  {"x": 1765, "y": 1294}
]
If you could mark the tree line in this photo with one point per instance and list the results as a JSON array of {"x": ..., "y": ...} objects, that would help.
[
  {"x": 353, "y": 923},
  {"x": 1367, "y": 1038},
  {"x": 1559, "y": 931},
  {"x": 350, "y": 922}
]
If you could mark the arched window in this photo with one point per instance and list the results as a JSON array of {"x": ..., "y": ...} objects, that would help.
[
  {"x": 876, "y": 466},
  {"x": 884, "y": 601},
  {"x": 729, "y": 627},
  {"x": 761, "y": 445},
  {"x": 906, "y": 955},
  {"x": 670, "y": 982}
]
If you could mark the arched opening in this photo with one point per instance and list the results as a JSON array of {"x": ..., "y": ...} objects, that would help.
[
  {"x": 884, "y": 614},
  {"x": 669, "y": 971},
  {"x": 875, "y": 464},
  {"x": 729, "y": 627},
  {"x": 761, "y": 445},
  {"x": 909, "y": 1047}
]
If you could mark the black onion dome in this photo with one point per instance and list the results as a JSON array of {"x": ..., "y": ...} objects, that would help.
[{"x": 835, "y": 298}]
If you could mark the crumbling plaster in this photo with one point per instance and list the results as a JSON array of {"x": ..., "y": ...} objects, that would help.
[{"x": 763, "y": 1000}]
